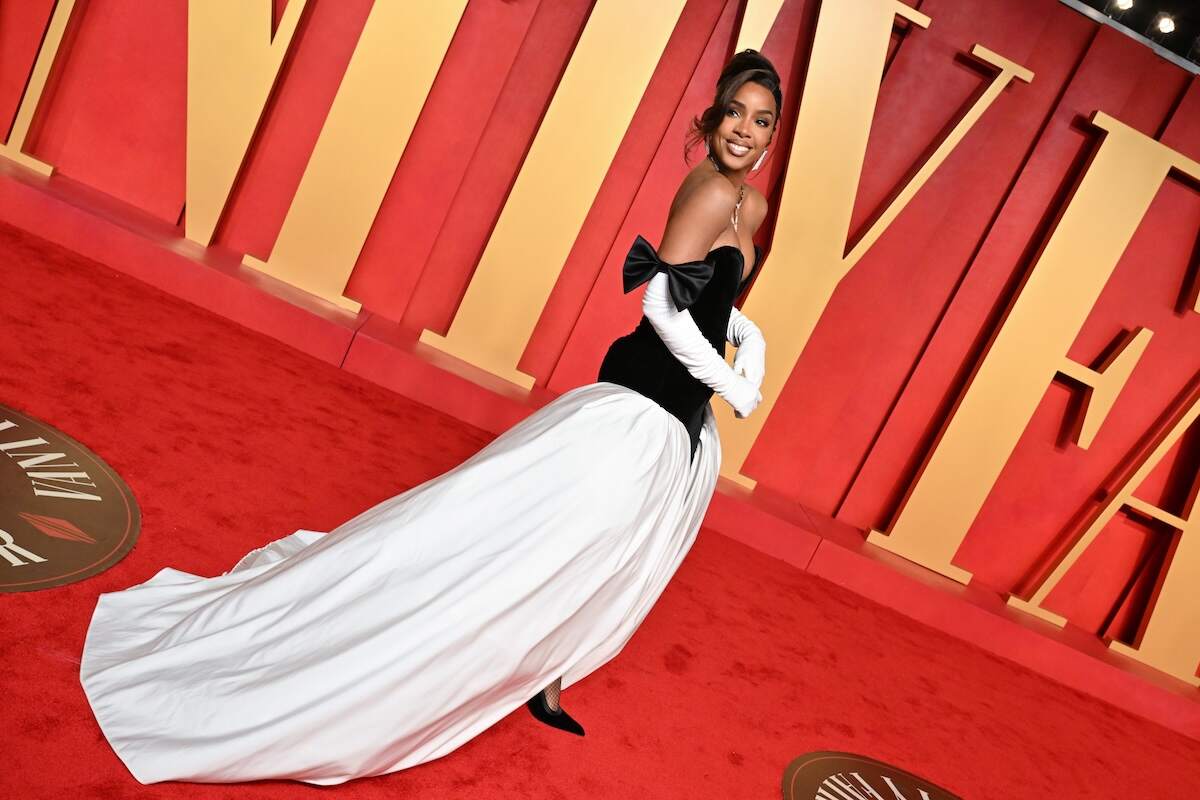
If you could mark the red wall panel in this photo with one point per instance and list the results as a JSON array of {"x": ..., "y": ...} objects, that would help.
[
  {"x": 288, "y": 130},
  {"x": 901, "y": 334},
  {"x": 116, "y": 120},
  {"x": 493, "y": 167},
  {"x": 448, "y": 133},
  {"x": 21, "y": 29}
]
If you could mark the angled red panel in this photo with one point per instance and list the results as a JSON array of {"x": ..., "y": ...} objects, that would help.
[
  {"x": 288, "y": 129},
  {"x": 116, "y": 120},
  {"x": 446, "y": 135},
  {"x": 493, "y": 166},
  {"x": 21, "y": 28}
]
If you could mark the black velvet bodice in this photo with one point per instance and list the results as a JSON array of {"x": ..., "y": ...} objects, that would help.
[{"x": 640, "y": 360}]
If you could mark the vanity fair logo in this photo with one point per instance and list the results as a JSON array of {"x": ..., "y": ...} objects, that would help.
[
  {"x": 845, "y": 776},
  {"x": 64, "y": 514}
]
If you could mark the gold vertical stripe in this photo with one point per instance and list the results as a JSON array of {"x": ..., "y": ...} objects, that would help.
[
  {"x": 757, "y": 21},
  {"x": 377, "y": 104},
  {"x": 232, "y": 64}
]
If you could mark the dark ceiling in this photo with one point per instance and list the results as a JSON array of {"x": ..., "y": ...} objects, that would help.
[{"x": 1185, "y": 12}]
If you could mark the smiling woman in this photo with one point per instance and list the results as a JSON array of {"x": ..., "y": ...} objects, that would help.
[
  {"x": 414, "y": 626},
  {"x": 748, "y": 88}
]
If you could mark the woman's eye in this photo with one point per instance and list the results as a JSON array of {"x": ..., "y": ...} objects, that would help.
[
  {"x": 730, "y": 111},
  {"x": 762, "y": 121}
]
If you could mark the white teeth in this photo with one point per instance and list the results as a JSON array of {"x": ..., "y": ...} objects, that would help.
[{"x": 737, "y": 149}]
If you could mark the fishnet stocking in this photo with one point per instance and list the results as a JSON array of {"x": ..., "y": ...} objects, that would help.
[{"x": 553, "y": 692}]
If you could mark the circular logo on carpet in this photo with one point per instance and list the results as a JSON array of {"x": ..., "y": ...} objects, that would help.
[
  {"x": 845, "y": 776},
  {"x": 64, "y": 514}
]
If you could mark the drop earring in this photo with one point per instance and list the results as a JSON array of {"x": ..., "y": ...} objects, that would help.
[
  {"x": 758, "y": 164},
  {"x": 708, "y": 154}
]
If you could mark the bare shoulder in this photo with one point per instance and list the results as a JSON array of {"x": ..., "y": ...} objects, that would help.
[
  {"x": 699, "y": 213},
  {"x": 704, "y": 191},
  {"x": 754, "y": 207}
]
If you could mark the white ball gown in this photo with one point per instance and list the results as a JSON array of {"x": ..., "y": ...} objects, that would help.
[{"x": 408, "y": 630}]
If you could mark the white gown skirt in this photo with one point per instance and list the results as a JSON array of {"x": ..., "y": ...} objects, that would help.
[{"x": 408, "y": 630}]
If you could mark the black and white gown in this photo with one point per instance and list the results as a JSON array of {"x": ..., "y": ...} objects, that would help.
[{"x": 408, "y": 630}]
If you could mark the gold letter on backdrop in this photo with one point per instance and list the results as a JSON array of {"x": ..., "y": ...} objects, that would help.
[
  {"x": 1114, "y": 195},
  {"x": 757, "y": 20},
  {"x": 576, "y": 143},
  {"x": 1169, "y": 635},
  {"x": 33, "y": 90},
  {"x": 832, "y": 128},
  {"x": 232, "y": 65},
  {"x": 377, "y": 104}
]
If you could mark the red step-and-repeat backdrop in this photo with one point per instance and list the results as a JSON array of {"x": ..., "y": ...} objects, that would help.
[{"x": 904, "y": 332}]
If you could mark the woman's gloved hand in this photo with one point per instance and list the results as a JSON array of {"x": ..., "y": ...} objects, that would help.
[
  {"x": 751, "y": 356},
  {"x": 744, "y": 396},
  {"x": 683, "y": 338}
]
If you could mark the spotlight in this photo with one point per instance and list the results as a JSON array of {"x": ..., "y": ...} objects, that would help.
[
  {"x": 1117, "y": 8},
  {"x": 1159, "y": 27}
]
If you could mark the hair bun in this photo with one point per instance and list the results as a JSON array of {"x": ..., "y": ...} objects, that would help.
[{"x": 746, "y": 61}]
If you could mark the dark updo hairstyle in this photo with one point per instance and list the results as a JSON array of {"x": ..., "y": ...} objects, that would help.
[{"x": 748, "y": 65}]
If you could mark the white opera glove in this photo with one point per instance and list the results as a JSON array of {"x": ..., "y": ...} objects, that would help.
[
  {"x": 683, "y": 338},
  {"x": 750, "y": 360}
]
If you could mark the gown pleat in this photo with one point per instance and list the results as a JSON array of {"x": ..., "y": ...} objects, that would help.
[{"x": 413, "y": 627}]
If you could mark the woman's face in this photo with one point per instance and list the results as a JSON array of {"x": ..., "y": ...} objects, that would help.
[{"x": 745, "y": 129}]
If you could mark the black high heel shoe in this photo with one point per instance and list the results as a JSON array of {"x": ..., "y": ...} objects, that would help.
[{"x": 540, "y": 708}]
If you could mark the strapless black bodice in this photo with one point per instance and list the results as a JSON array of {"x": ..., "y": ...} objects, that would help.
[{"x": 640, "y": 360}]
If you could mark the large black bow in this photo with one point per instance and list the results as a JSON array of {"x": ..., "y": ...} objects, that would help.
[{"x": 684, "y": 280}]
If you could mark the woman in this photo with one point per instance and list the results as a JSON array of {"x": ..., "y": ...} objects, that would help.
[{"x": 408, "y": 630}]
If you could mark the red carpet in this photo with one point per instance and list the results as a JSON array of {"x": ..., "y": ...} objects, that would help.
[{"x": 230, "y": 439}]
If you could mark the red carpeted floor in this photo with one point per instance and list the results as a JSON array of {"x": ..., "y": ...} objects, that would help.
[{"x": 230, "y": 439}]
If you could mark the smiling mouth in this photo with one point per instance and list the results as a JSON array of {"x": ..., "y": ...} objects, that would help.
[{"x": 736, "y": 150}]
